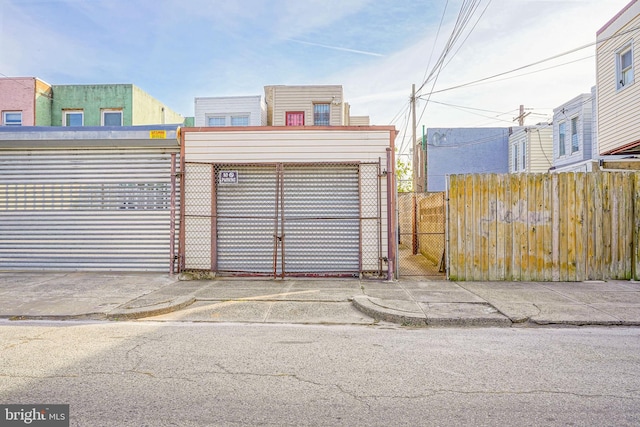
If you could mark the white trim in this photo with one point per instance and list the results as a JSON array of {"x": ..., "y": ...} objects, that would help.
[
  {"x": 111, "y": 110},
  {"x": 627, "y": 73},
  {"x": 228, "y": 118},
  {"x": 12, "y": 123},
  {"x": 577, "y": 134},
  {"x": 562, "y": 143},
  {"x": 66, "y": 113}
]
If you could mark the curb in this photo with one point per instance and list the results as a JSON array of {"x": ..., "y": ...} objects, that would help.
[
  {"x": 55, "y": 317},
  {"x": 151, "y": 310},
  {"x": 379, "y": 310}
]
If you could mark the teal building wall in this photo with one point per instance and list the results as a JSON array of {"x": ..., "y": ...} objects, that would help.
[
  {"x": 138, "y": 107},
  {"x": 92, "y": 99}
]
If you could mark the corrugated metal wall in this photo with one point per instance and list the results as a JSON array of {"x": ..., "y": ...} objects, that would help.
[
  {"x": 307, "y": 215},
  {"x": 246, "y": 219},
  {"x": 86, "y": 209},
  {"x": 321, "y": 219}
]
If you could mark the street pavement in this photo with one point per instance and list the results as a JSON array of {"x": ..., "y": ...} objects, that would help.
[{"x": 411, "y": 302}]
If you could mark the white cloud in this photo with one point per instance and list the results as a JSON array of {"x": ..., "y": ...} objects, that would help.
[{"x": 511, "y": 34}]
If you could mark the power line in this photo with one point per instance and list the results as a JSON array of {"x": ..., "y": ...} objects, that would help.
[
  {"x": 536, "y": 63},
  {"x": 424, "y": 77},
  {"x": 467, "y": 11}
]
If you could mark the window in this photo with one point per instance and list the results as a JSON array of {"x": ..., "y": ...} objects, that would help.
[
  {"x": 216, "y": 121},
  {"x": 111, "y": 117},
  {"x": 295, "y": 118},
  {"x": 524, "y": 155},
  {"x": 321, "y": 114},
  {"x": 12, "y": 118},
  {"x": 561, "y": 139},
  {"x": 73, "y": 118},
  {"x": 574, "y": 135},
  {"x": 624, "y": 66},
  {"x": 239, "y": 120},
  {"x": 515, "y": 157}
]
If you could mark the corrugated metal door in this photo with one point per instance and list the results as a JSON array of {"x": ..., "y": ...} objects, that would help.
[
  {"x": 308, "y": 215},
  {"x": 245, "y": 218},
  {"x": 85, "y": 210},
  {"x": 321, "y": 219}
]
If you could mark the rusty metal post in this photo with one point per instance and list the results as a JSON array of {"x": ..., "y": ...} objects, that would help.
[
  {"x": 414, "y": 221},
  {"x": 276, "y": 236},
  {"x": 391, "y": 217},
  {"x": 214, "y": 220},
  {"x": 172, "y": 216}
]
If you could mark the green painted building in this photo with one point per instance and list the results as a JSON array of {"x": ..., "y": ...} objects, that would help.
[{"x": 108, "y": 105}]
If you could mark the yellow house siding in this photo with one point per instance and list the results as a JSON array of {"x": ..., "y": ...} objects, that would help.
[
  {"x": 359, "y": 121},
  {"x": 305, "y": 145},
  {"x": 618, "y": 121},
  {"x": 538, "y": 142},
  {"x": 283, "y": 99},
  {"x": 149, "y": 111},
  {"x": 540, "y": 149}
]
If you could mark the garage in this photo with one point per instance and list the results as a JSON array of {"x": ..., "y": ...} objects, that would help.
[
  {"x": 283, "y": 202},
  {"x": 88, "y": 199}
]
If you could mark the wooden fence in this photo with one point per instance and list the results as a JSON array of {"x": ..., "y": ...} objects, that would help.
[{"x": 544, "y": 227}]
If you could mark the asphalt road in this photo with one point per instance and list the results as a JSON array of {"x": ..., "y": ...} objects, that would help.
[{"x": 195, "y": 374}]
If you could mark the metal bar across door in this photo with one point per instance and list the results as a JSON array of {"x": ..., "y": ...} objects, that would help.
[{"x": 284, "y": 219}]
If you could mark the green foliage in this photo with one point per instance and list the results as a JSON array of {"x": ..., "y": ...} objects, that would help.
[{"x": 404, "y": 175}]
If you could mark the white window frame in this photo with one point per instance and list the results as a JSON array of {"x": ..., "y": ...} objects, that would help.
[
  {"x": 562, "y": 139},
  {"x": 575, "y": 136},
  {"x": 515, "y": 157},
  {"x": 7, "y": 122},
  {"x": 234, "y": 117},
  {"x": 228, "y": 119},
  {"x": 317, "y": 114},
  {"x": 524, "y": 155},
  {"x": 216, "y": 116},
  {"x": 66, "y": 113},
  {"x": 624, "y": 76},
  {"x": 111, "y": 110}
]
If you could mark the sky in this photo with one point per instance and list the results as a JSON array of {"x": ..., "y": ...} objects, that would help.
[{"x": 177, "y": 50}]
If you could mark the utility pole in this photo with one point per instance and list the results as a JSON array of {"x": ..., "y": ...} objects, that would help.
[
  {"x": 521, "y": 117},
  {"x": 416, "y": 170},
  {"x": 416, "y": 156}
]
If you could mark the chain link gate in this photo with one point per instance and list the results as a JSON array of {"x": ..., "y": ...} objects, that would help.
[
  {"x": 282, "y": 219},
  {"x": 421, "y": 242}
]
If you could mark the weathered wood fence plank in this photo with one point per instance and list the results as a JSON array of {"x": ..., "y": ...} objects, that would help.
[{"x": 544, "y": 227}]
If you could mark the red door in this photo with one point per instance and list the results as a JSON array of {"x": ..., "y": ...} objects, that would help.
[{"x": 295, "y": 118}]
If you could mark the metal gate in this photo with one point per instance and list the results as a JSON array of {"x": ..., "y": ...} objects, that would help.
[
  {"x": 276, "y": 219},
  {"x": 421, "y": 220},
  {"x": 87, "y": 209}
]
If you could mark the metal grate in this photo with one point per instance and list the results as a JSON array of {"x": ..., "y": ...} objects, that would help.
[
  {"x": 87, "y": 210},
  {"x": 421, "y": 220},
  {"x": 283, "y": 219}
]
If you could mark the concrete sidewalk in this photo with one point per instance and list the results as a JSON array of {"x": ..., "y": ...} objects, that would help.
[{"x": 412, "y": 302}]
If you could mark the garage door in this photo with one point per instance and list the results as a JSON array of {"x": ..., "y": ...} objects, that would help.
[
  {"x": 85, "y": 210},
  {"x": 287, "y": 219}
]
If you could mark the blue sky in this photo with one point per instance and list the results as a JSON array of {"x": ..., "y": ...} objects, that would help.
[{"x": 180, "y": 49}]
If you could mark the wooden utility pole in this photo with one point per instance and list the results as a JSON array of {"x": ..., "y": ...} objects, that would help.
[
  {"x": 521, "y": 117},
  {"x": 416, "y": 169},
  {"x": 416, "y": 157}
]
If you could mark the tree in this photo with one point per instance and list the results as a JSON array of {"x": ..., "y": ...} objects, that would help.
[{"x": 404, "y": 175}]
